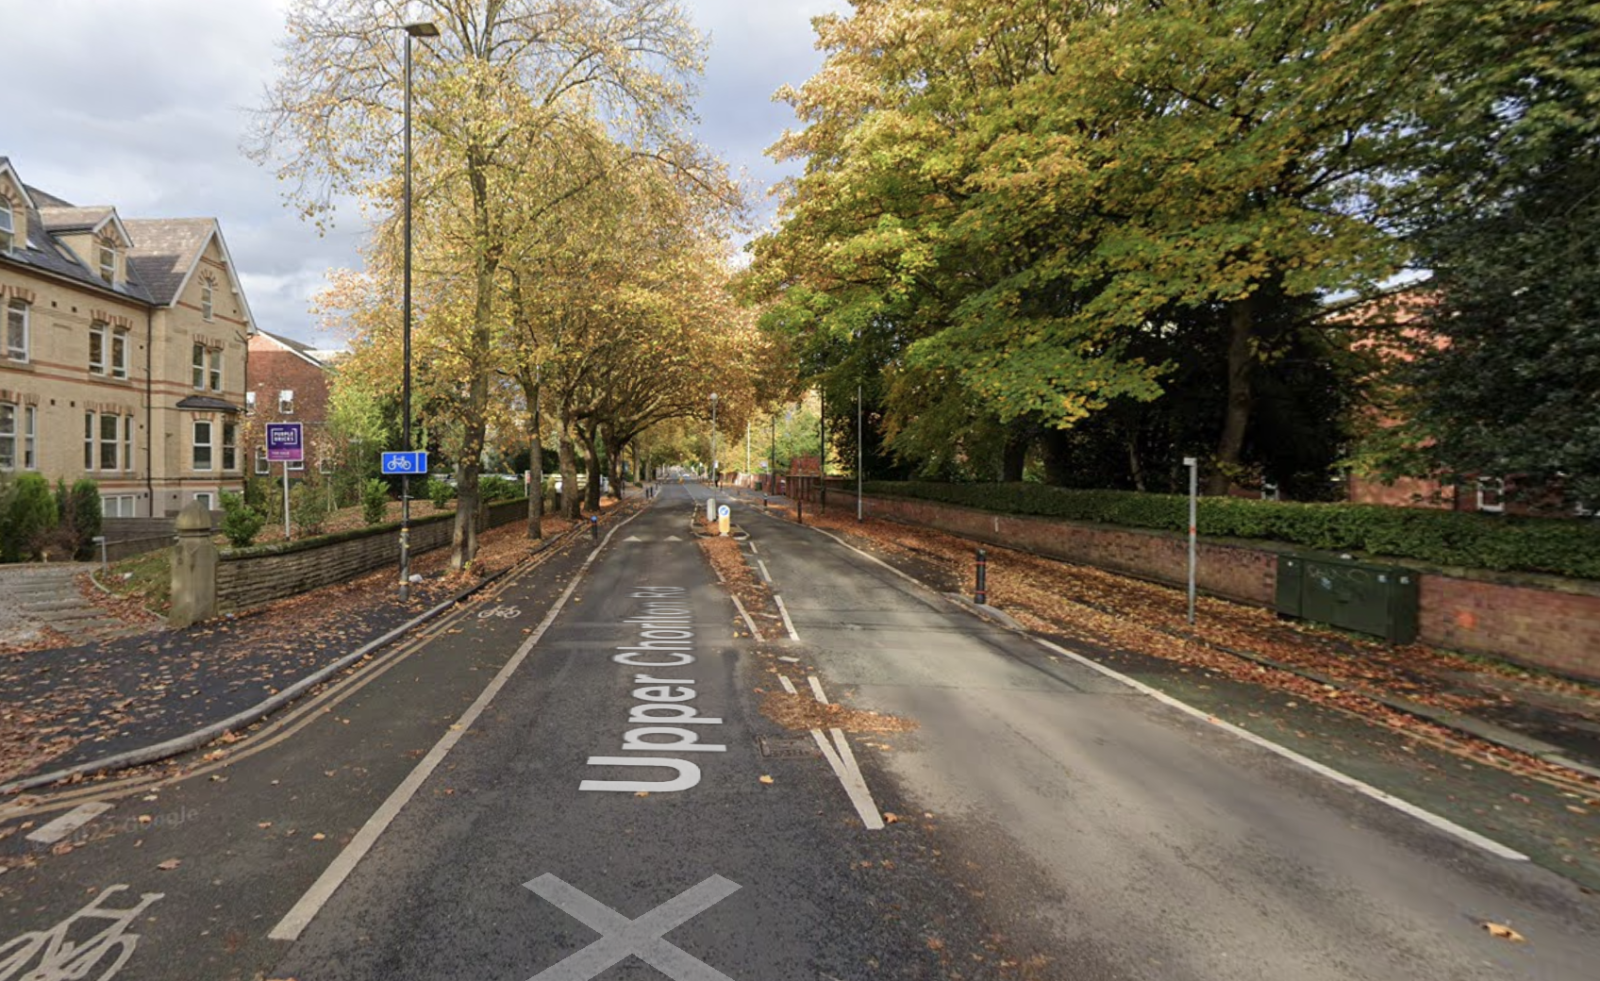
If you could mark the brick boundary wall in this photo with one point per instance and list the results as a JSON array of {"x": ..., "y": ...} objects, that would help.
[
  {"x": 246, "y": 578},
  {"x": 1546, "y": 622}
]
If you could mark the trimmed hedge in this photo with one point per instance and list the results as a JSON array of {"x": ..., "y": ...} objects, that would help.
[{"x": 1563, "y": 547}]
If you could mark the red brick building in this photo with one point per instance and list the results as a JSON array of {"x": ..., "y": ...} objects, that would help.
[{"x": 286, "y": 381}]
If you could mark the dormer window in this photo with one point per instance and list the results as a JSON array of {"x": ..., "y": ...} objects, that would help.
[
  {"x": 108, "y": 263},
  {"x": 249, "y": 403},
  {"x": 286, "y": 402},
  {"x": 8, "y": 226}
]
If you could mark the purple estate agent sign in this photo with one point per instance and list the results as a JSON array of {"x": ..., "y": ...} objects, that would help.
[{"x": 283, "y": 442}]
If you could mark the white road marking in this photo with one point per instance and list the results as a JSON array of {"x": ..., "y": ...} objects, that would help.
[
  {"x": 641, "y": 938},
  {"x": 69, "y": 822},
  {"x": 788, "y": 685},
  {"x": 764, "y": 573},
  {"x": 672, "y": 538},
  {"x": 816, "y": 688},
  {"x": 296, "y": 920},
  {"x": 65, "y": 956},
  {"x": 754, "y": 550},
  {"x": 747, "y": 621},
  {"x": 783, "y": 611},
  {"x": 1405, "y": 807},
  {"x": 633, "y": 538}
]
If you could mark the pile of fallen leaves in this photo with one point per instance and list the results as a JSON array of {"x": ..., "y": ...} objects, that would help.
[
  {"x": 728, "y": 561},
  {"x": 802, "y": 711}
]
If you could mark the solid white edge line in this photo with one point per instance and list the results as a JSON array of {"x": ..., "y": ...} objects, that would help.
[
  {"x": 764, "y": 573},
  {"x": 788, "y": 624},
  {"x": 69, "y": 822},
  {"x": 303, "y": 911},
  {"x": 816, "y": 688},
  {"x": 747, "y": 621},
  {"x": 1403, "y": 806}
]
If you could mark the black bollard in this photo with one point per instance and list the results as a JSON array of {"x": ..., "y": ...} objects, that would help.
[
  {"x": 982, "y": 597},
  {"x": 594, "y": 527},
  {"x": 799, "y": 511}
]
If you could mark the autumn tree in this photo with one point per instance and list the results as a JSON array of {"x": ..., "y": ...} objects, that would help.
[{"x": 498, "y": 71}]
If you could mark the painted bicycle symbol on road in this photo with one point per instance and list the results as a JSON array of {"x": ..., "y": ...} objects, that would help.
[
  {"x": 503, "y": 612},
  {"x": 52, "y": 955}
]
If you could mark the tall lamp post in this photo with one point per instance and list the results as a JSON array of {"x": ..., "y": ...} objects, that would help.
[
  {"x": 713, "y": 439},
  {"x": 419, "y": 29}
]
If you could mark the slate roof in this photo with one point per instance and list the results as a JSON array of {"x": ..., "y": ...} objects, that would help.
[
  {"x": 58, "y": 219},
  {"x": 306, "y": 351},
  {"x": 44, "y": 253},
  {"x": 164, "y": 251},
  {"x": 207, "y": 403}
]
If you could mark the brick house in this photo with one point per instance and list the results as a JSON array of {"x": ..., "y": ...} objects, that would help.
[
  {"x": 124, "y": 348},
  {"x": 288, "y": 382}
]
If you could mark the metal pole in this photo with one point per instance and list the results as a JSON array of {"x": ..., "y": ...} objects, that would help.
[
  {"x": 860, "y": 453},
  {"x": 747, "y": 446},
  {"x": 286, "y": 500},
  {"x": 405, "y": 381},
  {"x": 713, "y": 439},
  {"x": 772, "y": 464},
  {"x": 1194, "y": 482},
  {"x": 981, "y": 594},
  {"x": 822, "y": 451}
]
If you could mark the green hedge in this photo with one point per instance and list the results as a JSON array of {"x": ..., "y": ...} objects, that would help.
[{"x": 1563, "y": 547}]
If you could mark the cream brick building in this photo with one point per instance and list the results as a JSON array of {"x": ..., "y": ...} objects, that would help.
[{"x": 122, "y": 352}]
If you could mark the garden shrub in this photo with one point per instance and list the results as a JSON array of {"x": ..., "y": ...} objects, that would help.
[
  {"x": 30, "y": 513},
  {"x": 1563, "y": 547},
  {"x": 240, "y": 522},
  {"x": 84, "y": 512},
  {"x": 308, "y": 507},
  {"x": 440, "y": 493},
  {"x": 374, "y": 500}
]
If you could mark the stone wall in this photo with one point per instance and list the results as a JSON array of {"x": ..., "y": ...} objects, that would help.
[
  {"x": 249, "y": 577},
  {"x": 1542, "y": 621}
]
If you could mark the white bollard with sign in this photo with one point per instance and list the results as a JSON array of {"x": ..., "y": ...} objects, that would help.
[{"x": 711, "y": 509}]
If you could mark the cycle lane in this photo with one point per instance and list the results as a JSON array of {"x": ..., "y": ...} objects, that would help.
[{"x": 229, "y": 843}]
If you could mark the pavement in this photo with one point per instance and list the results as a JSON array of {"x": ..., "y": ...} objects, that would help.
[
  {"x": 582, "y": 775},
  {"x": 42, "y": 600}
]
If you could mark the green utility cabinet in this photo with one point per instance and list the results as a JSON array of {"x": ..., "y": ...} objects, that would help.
[{"x": 1362, "y": 596}]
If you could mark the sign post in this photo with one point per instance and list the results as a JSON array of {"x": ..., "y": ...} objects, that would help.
[
  {"x": 1194, "y": 480},
  {"x": 404, "y": 464},
  {"x": 286, "y": 445}
]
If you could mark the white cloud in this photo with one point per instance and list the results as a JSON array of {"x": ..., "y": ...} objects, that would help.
[{"x": 142, "y": 104}]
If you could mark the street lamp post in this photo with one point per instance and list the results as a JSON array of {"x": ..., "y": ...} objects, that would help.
[
  {"x": 713, "y": 439},
  {"x": 420, "y": 29}
]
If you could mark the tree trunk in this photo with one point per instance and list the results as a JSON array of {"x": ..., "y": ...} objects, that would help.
[
  {"x": 464, "y": 536},
  {"x": 535, "y": 466},
  {"x": 1057, "y": 453},
  {"x": 1230, "y": 446},
  {"x": 1013, "y": 458},
  {"x": 569, "y": 474},
  {"x": 1135, "y": 466},
  {"x": 614, "y": 451},
  {"x": 591, "y": 494}
]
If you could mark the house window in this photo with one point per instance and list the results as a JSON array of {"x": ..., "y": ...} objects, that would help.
[
  {"x": 214, "y": 357},
  {"x": 207, "y": 292},
  {"x": 262, "y": 465},
  {"x": 117, "y": 506},
  {"x": 110, "y": 440},
  {"x": 30, "y": 437},
  {"x": 88, "y": 441},
  {"x": 8, "y": 228},
  {"x": 297, "y": 464},
  {"x": 230, "y": 446},
  {"x": 127, "y": 443},
  {"x": 17, "y": 330},
  {"x": 249, "y": 403},
  {"x": 198, "y": 365},
  {"x": 206, "y": 499},
  {"x": 286, "y": 402},
  {"x": 108, "y": 263},
  {"x": 202, "y": 445},
  {"x": 97, "y": 348},
  {"x": 119, "y": 354},
  {"x": 1491, "y": 495},
  {"x": 8, "y": 436}
]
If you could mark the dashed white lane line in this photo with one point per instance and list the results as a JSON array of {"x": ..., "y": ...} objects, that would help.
[
  {"x": 1405, "y": 807},
  {"x": 753, "y": 549},
  {"x": 300, "y": 916},
  {"x": 816, "y": 688},
  {"x": 69, "y": 822},
  {"x": 747, "y": 621},
  {"x": 783, "y": 611},
  {"x": 764, "y": 573}
]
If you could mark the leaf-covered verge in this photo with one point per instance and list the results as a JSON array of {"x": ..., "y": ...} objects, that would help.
[{"x": 1448, "y": 538}]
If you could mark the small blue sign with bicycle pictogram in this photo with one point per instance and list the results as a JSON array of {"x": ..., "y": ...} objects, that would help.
[{"x": 399, "y": 464}]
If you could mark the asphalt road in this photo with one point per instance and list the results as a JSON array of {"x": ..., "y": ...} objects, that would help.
[{"x": 488, "y": 804}]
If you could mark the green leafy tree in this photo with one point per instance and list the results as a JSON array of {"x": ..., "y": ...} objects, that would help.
[
  {"x": 31, "y": 514},
  {"x": 84, "y": 509}
]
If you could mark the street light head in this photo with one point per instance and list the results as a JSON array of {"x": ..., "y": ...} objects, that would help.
[{"x": 424, "y": 28}]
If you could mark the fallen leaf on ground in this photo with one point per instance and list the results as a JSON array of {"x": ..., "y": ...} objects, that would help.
[
  {"x": 1505, "y": 933},
  {"x": 169, "y": 864},
  {"x": 765, "y": 778}
]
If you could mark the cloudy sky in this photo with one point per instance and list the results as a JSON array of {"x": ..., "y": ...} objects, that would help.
[{"x": 141, "y": 104}]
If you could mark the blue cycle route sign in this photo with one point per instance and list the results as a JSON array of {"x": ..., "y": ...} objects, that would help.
[
  {"x": 400, "y": 464},
  {"x": 284, "y": 442}
]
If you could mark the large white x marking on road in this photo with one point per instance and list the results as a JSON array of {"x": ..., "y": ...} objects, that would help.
[{"x": 620, "y": 936}]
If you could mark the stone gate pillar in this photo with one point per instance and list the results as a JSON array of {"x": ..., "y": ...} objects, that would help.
[{"x": 194, "y": 568}]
